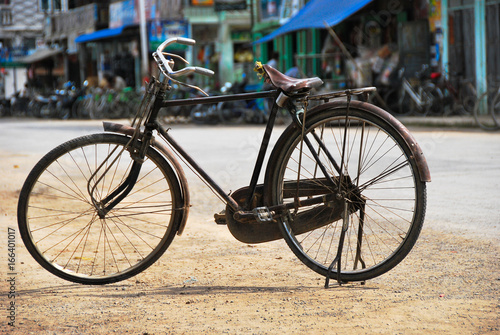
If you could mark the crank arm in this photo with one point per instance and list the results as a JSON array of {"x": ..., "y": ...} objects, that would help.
[{"x": 329, "y": 200}]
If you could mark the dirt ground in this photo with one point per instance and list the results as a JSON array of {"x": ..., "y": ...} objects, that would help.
[{"x": 209, "y": 283}]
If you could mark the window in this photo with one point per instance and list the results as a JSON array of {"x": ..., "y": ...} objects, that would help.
[{"x": 50, "y": 5}]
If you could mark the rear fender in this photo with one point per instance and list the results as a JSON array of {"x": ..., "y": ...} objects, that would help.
[
  {"x": 417, "y": 154},
  {"x": 416, "y": 151}
]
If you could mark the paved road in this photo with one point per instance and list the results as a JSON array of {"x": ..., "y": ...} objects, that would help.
[{"x": 465, "y": 165}]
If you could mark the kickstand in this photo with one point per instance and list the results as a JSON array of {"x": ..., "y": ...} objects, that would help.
[{"x": 337, "y": 260}]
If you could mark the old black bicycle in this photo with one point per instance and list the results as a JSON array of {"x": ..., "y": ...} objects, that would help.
[{"x": 345, "y": 186}]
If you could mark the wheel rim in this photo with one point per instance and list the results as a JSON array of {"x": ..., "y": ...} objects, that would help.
[{"x": 67, "y": 232}]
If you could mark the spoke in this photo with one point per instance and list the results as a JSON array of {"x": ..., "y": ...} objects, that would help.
[
  {"x": 59, "y": 212},
  {"x": 52, "y": 196},
  {"x": 79, "y": 195},
  {"x": 378, "y": 178},
  {"x": 383, "y": 175},
  {"x": 62, "y": 223},
  {"x": 75, "y": 234},
  {"x": 134, "y": 232}
]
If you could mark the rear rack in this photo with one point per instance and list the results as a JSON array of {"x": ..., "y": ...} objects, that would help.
[{"x": 339, "y": 94}]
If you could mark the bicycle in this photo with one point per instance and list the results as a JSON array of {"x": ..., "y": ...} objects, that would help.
[
  {"x": 487, "y": 110},
  {"x": 459, "y": 95},
  {"x": 345, "y": 186},
  {"x": 417, "y": 96}
]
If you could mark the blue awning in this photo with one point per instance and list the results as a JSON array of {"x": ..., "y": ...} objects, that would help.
[
  {"x": 314, "y": 15},
  {"x": 100, "y": 34}
]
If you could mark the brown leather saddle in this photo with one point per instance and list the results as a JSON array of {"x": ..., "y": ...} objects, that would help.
[{"x": 289, "y": 84}]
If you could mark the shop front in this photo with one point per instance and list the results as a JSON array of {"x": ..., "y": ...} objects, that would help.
[
  {"x": 223, "y": 42},
  {"x": 471, "y": 41},
  {"x": 46, "y": 70},
  {"x": 361, "y": 43},
  {"x": 113, "y": 50}
]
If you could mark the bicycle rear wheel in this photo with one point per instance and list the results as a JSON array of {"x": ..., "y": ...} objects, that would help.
[
  {"x": 62, "y": 229},
  {"x": 487, "y": 106},
  {"x": 495, "y": 109},
  {"x": 382, "y": 203}
]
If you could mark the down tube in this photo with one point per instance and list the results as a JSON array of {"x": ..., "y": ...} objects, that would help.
[{"x": 229, "y": 200}]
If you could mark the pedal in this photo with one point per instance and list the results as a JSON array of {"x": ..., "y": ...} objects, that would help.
[
  {"x": 220, "y": 218},
  {"x": 263, "y": 214}
]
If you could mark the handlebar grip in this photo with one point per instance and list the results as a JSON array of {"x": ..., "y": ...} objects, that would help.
[
  {"x": 203, "y": 71},
  {"x": 186, "y": 41}
]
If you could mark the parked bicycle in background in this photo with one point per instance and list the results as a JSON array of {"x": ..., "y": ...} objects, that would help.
[
  {"x": 487, "y": 108},
  {"x": 414, "y": 96}
]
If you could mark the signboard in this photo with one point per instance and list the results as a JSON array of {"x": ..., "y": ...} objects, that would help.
[
  {"x": 221, "y": 5},
  {"x": 127, "y": 12},
  {"x": 122, "y": 13},
  {"x": 202, "y": 2},
  {"x": 171, "y": 9},
  {"x": 160, "y": 30},
  {"x": 270, "y": 9}
]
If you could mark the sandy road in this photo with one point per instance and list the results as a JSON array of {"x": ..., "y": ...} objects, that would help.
[{"x": 209, "y": 283}]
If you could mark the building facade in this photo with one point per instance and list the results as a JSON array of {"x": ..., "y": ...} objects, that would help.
[
  {"x": 106, "y": 36},
  {"x": 78, "y": 40},
  {"x": 454, "y": 37},
  {"x": 21, "y": 32},
  {"x": 471, "y": 41}
]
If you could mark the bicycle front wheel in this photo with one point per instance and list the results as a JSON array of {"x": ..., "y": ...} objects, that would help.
[
  {"x": 62, "y": 229},
  {"x": 382, "y": 203}
]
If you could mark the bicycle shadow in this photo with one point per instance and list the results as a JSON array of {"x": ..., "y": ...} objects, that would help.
[{"x": 126, "y": 290}]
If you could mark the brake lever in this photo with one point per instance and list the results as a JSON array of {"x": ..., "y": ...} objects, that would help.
[{"x": 175, "y": 56}]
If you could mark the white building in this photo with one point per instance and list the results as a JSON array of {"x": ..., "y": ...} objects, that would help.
[{"x": 21, "y": 30}]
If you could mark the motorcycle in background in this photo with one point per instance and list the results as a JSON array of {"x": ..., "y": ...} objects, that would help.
[
  {"x": 55, "y": 105},
  {"x": 66, "y": 98}
]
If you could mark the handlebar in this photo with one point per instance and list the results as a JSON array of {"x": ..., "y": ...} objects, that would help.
[{"x": 166, "y": 65}]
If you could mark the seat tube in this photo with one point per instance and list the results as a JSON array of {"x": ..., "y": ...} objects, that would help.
[{"x": 262, "y": 153}]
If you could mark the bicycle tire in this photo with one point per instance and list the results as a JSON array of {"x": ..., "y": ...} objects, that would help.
[
  {"x": 468, "y": 99},
  {"x": 393, "y": 214},
  {"x": 392, "y": 105},
  {"x": 60, "y": 226},
  {"x": 47, "y": 111},
  {"x": 435, "y": 99},
  {"x": 118, "y": 109},
  {"x": 231, "y": 112},
  {"x": 495, "y": 109},
  {"x": 486, "y": 120},
  {"x": 406, "y": 104},
  {"x": 79, "y": 109}
]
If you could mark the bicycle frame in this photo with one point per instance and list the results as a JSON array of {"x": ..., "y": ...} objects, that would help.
[
  {"x": 244, "y": 211},
  {"x": 411, "y": 92},
  {"x": 213, "y": 100},
  {"x": 155, "y": 100}
]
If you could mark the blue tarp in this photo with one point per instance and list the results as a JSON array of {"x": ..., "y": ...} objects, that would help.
[
  {"x": 100, "y": 34},
  {"x": 314, "y": 15}
]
